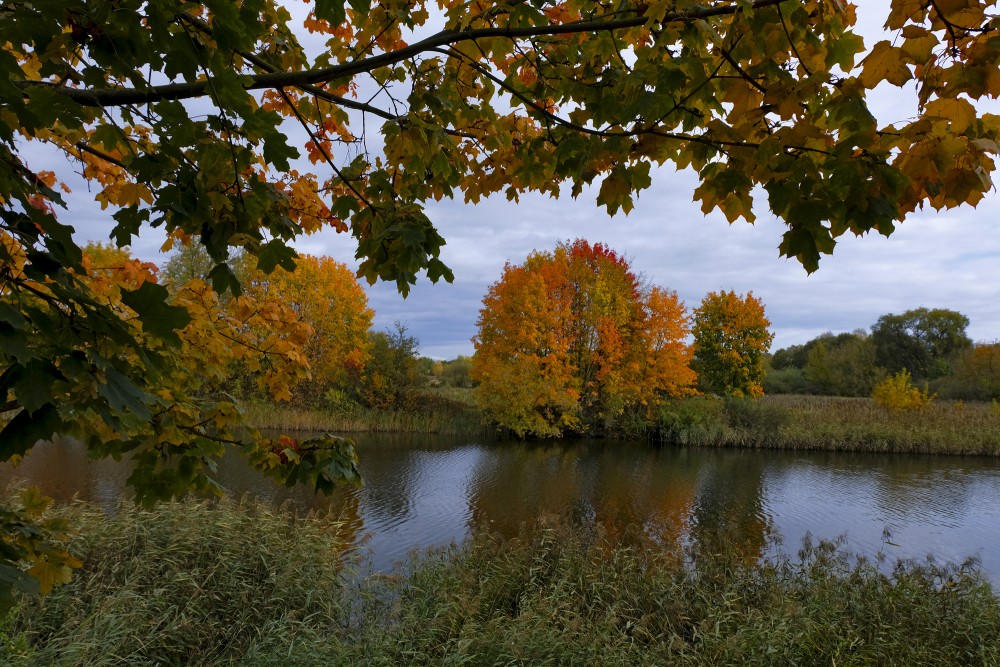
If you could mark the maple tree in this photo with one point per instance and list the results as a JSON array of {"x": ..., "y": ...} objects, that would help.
[
  {"x": 324, "y": 294},
  {"x": 186, "y": 115},
  {"x": 569, "y": 340},
  {"x": 731, "y": 337}
]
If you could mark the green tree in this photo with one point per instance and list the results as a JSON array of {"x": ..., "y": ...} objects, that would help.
[
  {"x": 457, "y": 372},
  {"x": 731, "y": 339},
  {"x": 843, "y": 365},
  {"x": 922, "y": 341},
  {"x": 185, "y": 115},
  {"x": 392, "y": 371},
  {"x": 190, "y": 261}
]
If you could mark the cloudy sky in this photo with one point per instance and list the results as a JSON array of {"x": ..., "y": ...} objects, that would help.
[{"x": 947, "y": 259}]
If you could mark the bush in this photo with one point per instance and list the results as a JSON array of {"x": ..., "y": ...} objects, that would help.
[
  {"x": 690, "y": 421},
  {"x": 787, "y": 381},
  {"x": 897, "y": 393}
]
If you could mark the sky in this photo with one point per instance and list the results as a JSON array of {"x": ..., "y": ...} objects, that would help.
[{"x": 947, "y": 259}]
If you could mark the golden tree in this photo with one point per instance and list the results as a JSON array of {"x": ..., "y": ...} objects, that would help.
[
  {"x": 570, "y": 342},
  {"x": 731, "y": 337},
  {"x": 326, "y": 295}
]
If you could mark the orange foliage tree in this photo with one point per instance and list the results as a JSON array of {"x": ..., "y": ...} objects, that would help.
[
  {"x": 731, "y": 337},
  {"x": 325, "y": 295},
  {"x": 570, "y": 341}
]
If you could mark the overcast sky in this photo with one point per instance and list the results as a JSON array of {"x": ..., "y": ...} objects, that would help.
[{"x": 947, "y": 259}]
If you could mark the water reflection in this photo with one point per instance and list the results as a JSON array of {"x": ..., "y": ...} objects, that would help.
[{"x": 422, "y": 491}]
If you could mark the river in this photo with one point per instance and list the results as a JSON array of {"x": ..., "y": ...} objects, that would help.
[{"x": 423, "y": 491}]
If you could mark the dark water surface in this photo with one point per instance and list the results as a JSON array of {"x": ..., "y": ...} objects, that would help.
[{"x": 429, "y": 491}]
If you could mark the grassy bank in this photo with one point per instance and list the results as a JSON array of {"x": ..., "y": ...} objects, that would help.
[
  {"x": 775, "y": 422},
  {"x": 240, "y": 584},
  {"x": 442, "y": 411},
  {"x": 831, "y": 423}
]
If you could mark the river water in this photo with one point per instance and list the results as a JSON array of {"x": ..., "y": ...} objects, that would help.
[{"x": 430, "y": 491}]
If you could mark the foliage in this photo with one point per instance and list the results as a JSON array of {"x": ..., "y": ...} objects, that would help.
[
  {"x": 897, "y": 393},
  {"x": 975, "y": 374},
  {"x": 392, "y": 372},
  {"x": 696, "y": 422},
  {"x": 788, "y": 380},
  {"x": 731, "y": 339},
  {"x": 569, "y": 341},
  {"x": 845, "y": 366},
  {"x": 181, "y": 114},
  {"x": 456, "y": 372},
  {"x": 131, "y": 374},
  {"x": 188, "y": 260},
  {"x": 921, "y": 341},
  {"x": 325, "y": 295},
  {"x": 192, "y": 582}
]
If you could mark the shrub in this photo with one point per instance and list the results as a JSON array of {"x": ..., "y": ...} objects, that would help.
[{"x": 897, "y": 393}]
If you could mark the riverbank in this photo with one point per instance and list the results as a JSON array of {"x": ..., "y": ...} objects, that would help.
[
  {"x": 832, "y": 423},
  {"x": 222, "y": 583},
  {"x": 772, "y": 422}
]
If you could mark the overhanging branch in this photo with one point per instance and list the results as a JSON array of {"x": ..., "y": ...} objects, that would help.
[{"x": 112, "y": 97}]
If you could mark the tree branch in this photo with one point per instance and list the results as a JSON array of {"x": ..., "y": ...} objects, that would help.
[{"x": 111, "y": 97}]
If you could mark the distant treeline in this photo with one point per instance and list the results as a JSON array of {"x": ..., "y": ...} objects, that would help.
[{"x": 930, "y": 344}]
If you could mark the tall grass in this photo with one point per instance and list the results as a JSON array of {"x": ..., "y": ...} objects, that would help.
[
  {"x": 187, "y": 583},
  {"x": 831, "y": 423},
  {"x": 561, "y": 597},
  {"x": 203, "y": 584},
  {"x": 444, "y": 411}
]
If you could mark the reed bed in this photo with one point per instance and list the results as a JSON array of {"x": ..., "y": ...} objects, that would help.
[
  {"x": 832, "y": 423},
  {"x": 205, "y": 584},
  {"x": 429, "y": 413},
  {"x": 186, "y": 583}
]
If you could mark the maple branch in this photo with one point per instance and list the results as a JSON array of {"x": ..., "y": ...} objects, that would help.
[
  {"x": 98, "y": 154},
  {"x": 111, "y": 97},
  {"x": 605, "y": 134},
  {"x": 315, "y": 91},
  {"x": 736, "y": 66},
  {"x": 319, "y": 146}
]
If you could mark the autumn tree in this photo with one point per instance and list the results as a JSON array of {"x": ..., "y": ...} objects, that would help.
[
  {"x": 570, "y": 340},
  {"x": 324, "y": 294},
  {"x": 975, "y": 374},
  {"x": 191, "y": 116},
  {"x": 731, "y": 338}
]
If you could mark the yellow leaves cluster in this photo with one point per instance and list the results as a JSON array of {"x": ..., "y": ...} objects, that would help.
[
  {"x": 14, "y": 257},
  {"x": 305, "y": 206}
]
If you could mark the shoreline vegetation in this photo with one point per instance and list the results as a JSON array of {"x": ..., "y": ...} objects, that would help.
[
  {"x": 793, "y": 422},
  {"x": 244, "y": 583}
]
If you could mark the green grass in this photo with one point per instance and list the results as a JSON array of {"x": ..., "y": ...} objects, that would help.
[
  {"x": 830, "y": 423},
  {"x": 199, "y": 583}
]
